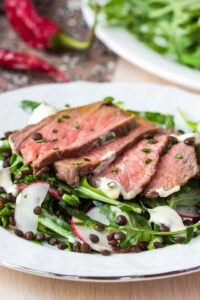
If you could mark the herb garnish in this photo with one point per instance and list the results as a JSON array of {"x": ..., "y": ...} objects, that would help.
[
  {"x": 148, "y": 160},
  {"x": 86, "y": 159},
  {"x": 59, "y": 120},
  {"x": 55, "y": 131},
  {"x": 76, "y": 125},
  {"x": 66, "y": 116},
  {"x": 77, "y": 163},
  {"x": 151, "y": 141},
  {"x": 179, "y": 155},
  {"x": 114, "y": 170},
  {"x": 146, "y": 150}
]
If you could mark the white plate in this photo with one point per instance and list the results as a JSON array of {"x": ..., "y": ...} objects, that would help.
[
  {"x": 29, "y": 257},
  {"x": 125, "y": 45}
]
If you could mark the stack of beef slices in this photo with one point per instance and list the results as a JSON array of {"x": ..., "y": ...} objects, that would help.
[{"x": 123, "y": 154}]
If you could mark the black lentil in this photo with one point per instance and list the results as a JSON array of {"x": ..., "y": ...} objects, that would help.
[
  {"x": 76, "y": 246},
  {"x": 158, "y": 245},
  {"x": 113, "y": 243},
  {"x": 37, "y": 136},
  {"x": 164, "y": 228},
  {"x": 99, "y": 227},
  {"x": 10, "y": 198},
  {"x": 94, "y": 238},
  {"x": 40, "y": 236},
  {"x": 119, "y": 236},
  {"x": 37, "y": 210},
  {"x": 18, "y": 232},
  {"x": 121, "y": 220},
  {"x": 110, "y": 236},
  {"x": 52, "y": 241},
  {"x": 173, "y": 140},
  {"x": 189, "y": 141},
  {"x": 62, "y": 246},
  {"x": 105, "y": 252},
  {"x": 143, "y": 246},
  {"x": 2, "y": 190},
  {"x": 6, "y": 163},
  {"x": 29, "y": 236},
  {"x": 179, "y": 239},
  {"x": 188, "y": 222},
  {"x": 85, "y": 248},
  {"x": 135, "y": 249},
  {"x": 7, "y": 154},
  {"x": 180, "y": 131}
]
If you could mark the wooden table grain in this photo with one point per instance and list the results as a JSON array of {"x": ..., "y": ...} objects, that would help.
[{"x": 19, "y": 286}]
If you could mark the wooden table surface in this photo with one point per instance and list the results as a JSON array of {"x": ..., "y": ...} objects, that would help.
[{"x": 19, "y": 286}]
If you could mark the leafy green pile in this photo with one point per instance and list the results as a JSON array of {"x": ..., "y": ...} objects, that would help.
[{"x": 169, "y": 27}]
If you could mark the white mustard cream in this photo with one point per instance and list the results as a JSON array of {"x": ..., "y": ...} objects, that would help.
[
  {"x": 165, "y": 193},
  {"x": 41, "y": 112},
  {"x": 113, "y": 189},
  {"x": 167, "y": 216},
  {"x": 110, "y": 187},
  {"x": 183, "y": 137},
  {"x": 6, "y": 181}
]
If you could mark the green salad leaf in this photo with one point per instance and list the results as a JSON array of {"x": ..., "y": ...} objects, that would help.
[
  {"x": 85, "y": 190},
  {"x": 29, "y": 105},
  {"x": 171, "y": 28}
]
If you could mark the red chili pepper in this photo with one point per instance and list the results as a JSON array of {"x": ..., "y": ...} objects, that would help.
[
  {"x": 38, "y": 31},
  {"x": 24, "y": 61}
]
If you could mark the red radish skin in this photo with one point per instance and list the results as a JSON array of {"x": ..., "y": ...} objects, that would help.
[
  {"x": 76, "y": 231},
  {"x": 52, "y": 191}
]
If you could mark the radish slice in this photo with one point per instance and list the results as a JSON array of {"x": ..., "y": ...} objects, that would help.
[
  {"x": 83, "y": 232},
  {"x": 52, "y": 191},
  {"x": 31, "y": 196},
  {"x": 188, "y": 212}
]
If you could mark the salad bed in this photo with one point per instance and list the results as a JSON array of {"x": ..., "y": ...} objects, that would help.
[{"x": 84, "y": 219}]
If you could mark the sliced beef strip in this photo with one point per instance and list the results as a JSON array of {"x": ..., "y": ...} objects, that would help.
[
  {"x": 18, "y": 137},
  {"x": 70, "y": 170},
  {"x": 132, "y": 171},
  {"x": 71, "y": 132},
  {"x": 174, "y": 169}
]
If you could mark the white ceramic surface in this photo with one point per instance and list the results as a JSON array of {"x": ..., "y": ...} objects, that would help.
[
  {"x": 29, "y": 257},
  {"x": 125, "y": 45}
]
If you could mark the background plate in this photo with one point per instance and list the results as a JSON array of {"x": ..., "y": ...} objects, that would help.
[
  {"x": 29, "y": 257},
  {"x": 125, "y": 45}
]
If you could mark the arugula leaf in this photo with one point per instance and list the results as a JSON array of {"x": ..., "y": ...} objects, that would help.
[
  {"x": 4, "y": 145},
  {"x": 169, "y": 27},
  {"x": 85, "y": 190},
  {"x": 16, "y": 162},
  {"x": 164, "y": 120},
  {"x": 29, "y": 105},
  {"x": 191, "y": 124},
  {"x": 56, "y": 224},
  {"x": 186, "y": 197}
]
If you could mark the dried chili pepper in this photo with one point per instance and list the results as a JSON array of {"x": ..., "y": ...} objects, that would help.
[
  {"x": 24, "y": 61},
  {"x": 38, "y": 31}
]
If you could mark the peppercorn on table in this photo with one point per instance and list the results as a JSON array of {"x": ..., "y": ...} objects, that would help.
[{"x": 17, "y": 285}]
